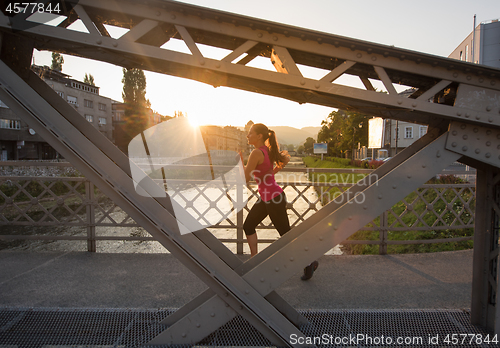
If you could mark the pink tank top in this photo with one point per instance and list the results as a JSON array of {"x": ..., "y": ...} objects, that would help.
[{"x": 263, "y": 173}]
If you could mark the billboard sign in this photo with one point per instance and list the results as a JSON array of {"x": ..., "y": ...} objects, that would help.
[{"x": 320, "y": 148}]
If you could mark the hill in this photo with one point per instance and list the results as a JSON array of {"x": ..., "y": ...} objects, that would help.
[{"x": 290, "y": 135}]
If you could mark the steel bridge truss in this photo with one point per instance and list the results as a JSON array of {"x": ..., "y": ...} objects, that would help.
[{"x": 459, "y": 101}]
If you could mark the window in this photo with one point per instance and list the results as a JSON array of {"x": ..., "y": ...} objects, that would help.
[
  {"x": 89, "y": 118},
  {"x": 423, "y": 131},
  {"x": 102, "y": 121},
  {"x": 60, "y": 93},
  {"x": 467, "y": 53},
  {"x": 409, "y": 132},
  {"x": 72, "y": 100},
  {"x": 88, "y": 103},
  {"x": 102, "y": 106},
  {"x": 10, "y": 124},
  {"x": 461, "y": 55},
  {"x": 396, "y": 133}
]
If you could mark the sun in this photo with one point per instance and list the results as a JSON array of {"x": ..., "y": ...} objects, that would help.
[{"x": 194, "y": 122}]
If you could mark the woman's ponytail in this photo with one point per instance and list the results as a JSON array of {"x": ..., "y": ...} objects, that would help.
[{"x": 271, "y": 141}]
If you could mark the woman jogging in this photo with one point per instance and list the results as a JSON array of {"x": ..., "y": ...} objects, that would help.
[{"x": 272, "y": 200}]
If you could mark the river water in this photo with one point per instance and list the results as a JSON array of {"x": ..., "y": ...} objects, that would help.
[{"x": 301, "y": 204}]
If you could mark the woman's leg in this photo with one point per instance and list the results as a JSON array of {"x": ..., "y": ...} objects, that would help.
[
  {"x": 276, "y": 209},
  {"x": 254, "y": 217}
]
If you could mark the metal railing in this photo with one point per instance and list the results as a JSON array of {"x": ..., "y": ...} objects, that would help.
[{"x": 59, "y": 208}]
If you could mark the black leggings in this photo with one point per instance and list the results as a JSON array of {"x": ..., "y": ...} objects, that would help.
[{"x": 275, "y": 208}]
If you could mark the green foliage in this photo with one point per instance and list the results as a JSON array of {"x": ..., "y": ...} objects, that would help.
[
  {"x": 136, "y": 104},
  {"x": 309, "y": 145},
  {"x": 89, "y": 79},
  {"x": 446, "y": 203},
  {"x": 57, "y": 61},
  {"x": 343, "y": 130}
]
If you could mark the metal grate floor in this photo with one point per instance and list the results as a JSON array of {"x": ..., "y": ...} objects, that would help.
[{"x": 58, "y": 327}]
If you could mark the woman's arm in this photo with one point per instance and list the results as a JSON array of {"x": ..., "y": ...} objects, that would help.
[
  {"x": 282, "y": 165},
  {"x": 255, "y": 158}
]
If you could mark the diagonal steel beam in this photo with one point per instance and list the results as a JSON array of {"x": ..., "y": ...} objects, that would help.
[{"x": 410, "y": 162}]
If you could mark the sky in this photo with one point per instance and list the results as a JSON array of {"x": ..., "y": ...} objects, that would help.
[{"x": 433, "y": 27}]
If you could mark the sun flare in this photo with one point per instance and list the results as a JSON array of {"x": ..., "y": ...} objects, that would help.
[{"x": 193, "y": 122}]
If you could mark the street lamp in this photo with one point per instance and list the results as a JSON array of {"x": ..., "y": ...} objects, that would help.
[{"x": 353, "y": 135}]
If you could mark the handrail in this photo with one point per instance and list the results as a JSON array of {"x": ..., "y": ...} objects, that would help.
[{"x": 88, "y": 200}]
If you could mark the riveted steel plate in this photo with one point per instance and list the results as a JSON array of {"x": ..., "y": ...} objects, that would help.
[
  {"x": 56, "y": 327},
  {"x": 479, "y": 143}
]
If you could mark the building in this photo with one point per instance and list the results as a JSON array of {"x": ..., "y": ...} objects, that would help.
[
  {"x": 482, "y": 46},
  {"x": 120, "y": 136},
  {"x": 19, "y": 142},
  {"x": 224, "y": 141},
  {"x": 388, "y": 137}
]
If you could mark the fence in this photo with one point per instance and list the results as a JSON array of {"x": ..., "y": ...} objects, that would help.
[{"x": 48, "y": 208}]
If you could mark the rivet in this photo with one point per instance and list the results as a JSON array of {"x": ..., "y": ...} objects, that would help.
[
  {"x": 115, "y": 44},
  {"x": 198, "y": 324},
  {"x": 424, "y": 166},
  {"x": 478, "y": 151},
  {"x": 475, "y": 130},
  {"x": 277, "y": 269},
  {"x": 158, "y": 13},
  {"x": 202, "y": 62},
  {"x": 99, "y": 41},
  {"x": 241, "y": 307},
  {"x": 336, "y": 44},
  {"x": 454, "y": 132},
  {"x": 414, "y": 104},
  {"x": 172, "y": 16},
  {"x": 349, "y": 218},
  {"x": 321, "y": 238},
  {"x": 212, "y": 314},
  {"x": 379, "y": 196},
  {"x": 402, "y": 57},
  {"x": 359, "y": 55},
  {"x": 455, "y": 75},
  {"x": 464, "y": 148},
  {"x": 353, "y": 47},
  {"x": 488, "y": 155},
  {"x": 409, "y": 176},
  {"x": 275, "y": 38},
  {"x": 463, "y": 126},
  {"x": 490, "y": 120},
  {"x": 374, "y": 58},
  {"x": 454, "y": 144},
  {"x": 465, "y": 137},
  {"x": 247, "y": 291},
  {"x": 459, "y": 113},
  {"x": 335, "y": 228},
  {"x": 365, "y": 207},
  {"x": 259, "y": 35},
  {"x": 262, "y": 280},
  {"x": 317, "y": 85},
  {"x": 478, "y": 117},
  {"x": 467, "y": 115},
  {"x": 400, "y": 101},
  {"x": 302, "y": 82},
  {"x": 291, "y": 259},
  {"x": 488, "y": 108},
  {"x": 469, "y": 77},
  {"x": 488, "y": 132},
  {"x": 492, "y": 83},
  {"x": 488, "y": 143},
  {"x": 320, "y": 40},
  {"x": 394, "y": 187},
  {"x": 183, "y": 334},
  {"x": 481, "y": 80},
  {"x": 306, "y": 248}
]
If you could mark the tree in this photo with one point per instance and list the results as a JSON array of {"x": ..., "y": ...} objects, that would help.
[
  {"x": 57, "y": 61},
  {"x": 343, "y": 130},
  {"x": 290, "y": 147},
  {"x": 136, "y": 104},
  {"x": 300, "y": 149},
  {"x": 89, "y": 79},
  {"x": 309, "y": 145}
]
